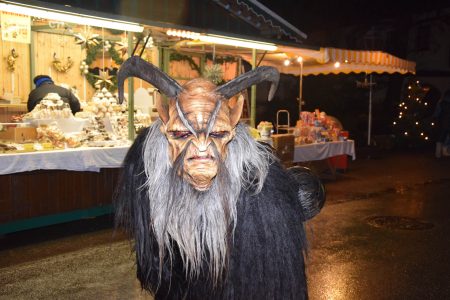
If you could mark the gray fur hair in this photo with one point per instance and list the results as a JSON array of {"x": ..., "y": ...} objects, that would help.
[{"x": 201, "y": 223}]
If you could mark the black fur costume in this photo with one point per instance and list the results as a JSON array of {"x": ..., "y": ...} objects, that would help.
[{"x": 266, "y": 256}]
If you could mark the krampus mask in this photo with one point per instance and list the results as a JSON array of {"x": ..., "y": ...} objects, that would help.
[
  {"x": 198, "y": 121},
  {"x": 212, "y": 213}
]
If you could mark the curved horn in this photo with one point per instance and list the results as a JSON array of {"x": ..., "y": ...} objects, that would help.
[
  {"x": 137, "y": 67},
  {"x": 248, "y": 79}
]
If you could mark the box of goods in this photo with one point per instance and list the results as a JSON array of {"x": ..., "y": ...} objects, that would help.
[
  {"x": 284, "y": 145},
  {"x": 18, "y": 134}
]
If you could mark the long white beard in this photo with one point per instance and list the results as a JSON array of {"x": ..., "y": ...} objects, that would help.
[{"x": 200, "y": 223}]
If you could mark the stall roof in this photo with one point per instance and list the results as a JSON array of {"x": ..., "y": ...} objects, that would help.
[
  {"x": 360, "y": 61},
  {"x": 315, "y": 61},
  {"x": 335, "y": 61},
  {"x": 242, "y": 17},
  {"x": 259, "y": 16}
]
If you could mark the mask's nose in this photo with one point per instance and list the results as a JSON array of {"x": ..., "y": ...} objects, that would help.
[{"x": 202, "y": 143}]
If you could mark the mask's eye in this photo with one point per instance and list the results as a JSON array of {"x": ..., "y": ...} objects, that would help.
[
  {"x": 180, "y": 134},
  {"x": 218, "y": 134}
]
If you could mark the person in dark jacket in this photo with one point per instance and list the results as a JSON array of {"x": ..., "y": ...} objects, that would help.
[
  {"x": 44, "y": 85},
  {"x": 442, "y": 114}
]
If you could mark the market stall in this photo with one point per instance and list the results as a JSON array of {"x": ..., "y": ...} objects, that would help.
[
  {"x": 57, "y": 165},
  {"x": 304, "y": 62}
]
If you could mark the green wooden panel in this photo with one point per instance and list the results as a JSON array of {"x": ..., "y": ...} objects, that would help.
[{"x": 54, "y": 219}]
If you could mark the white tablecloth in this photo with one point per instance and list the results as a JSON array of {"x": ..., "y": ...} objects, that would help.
[
  {"x": 319, "y": 151},
  {"x": 79, "y": 159}
]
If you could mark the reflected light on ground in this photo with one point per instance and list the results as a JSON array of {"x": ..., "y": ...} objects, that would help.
[{"x": 335, "y": 283}]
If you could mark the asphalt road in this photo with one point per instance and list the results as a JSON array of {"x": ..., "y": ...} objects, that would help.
[{"x": 384, "y": 233}]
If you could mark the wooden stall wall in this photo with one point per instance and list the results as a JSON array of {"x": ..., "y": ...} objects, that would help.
[
  {"x": 182, "y": 70},
  {"x": 151, "y": 55},
  {"x": 48, "y": 192},
  {"x": 48, "y": 45},
  {"x": 15, "y": 84}
]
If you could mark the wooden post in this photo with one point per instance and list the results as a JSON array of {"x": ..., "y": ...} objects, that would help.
[
  {"x": 253, "y": 94},
  {"x": 131, "y": 130}
]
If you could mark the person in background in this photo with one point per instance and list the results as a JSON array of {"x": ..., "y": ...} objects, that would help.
[
  {"x": 442, "y": 115},
  {"x": 44, "y": 85}
]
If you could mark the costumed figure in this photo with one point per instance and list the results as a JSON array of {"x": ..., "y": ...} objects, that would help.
[{"x": 212, "y": 212}]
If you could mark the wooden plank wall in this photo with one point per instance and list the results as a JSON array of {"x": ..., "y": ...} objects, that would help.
[
  {"x": 48, "y": 44},
  {"x": 40, "y": 193},
  {"x": 21, "y": 75}
]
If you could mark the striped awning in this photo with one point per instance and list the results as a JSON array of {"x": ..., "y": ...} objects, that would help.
[
  {"x": 334, "y": 61},
  {"x": 359, "y": 61}
]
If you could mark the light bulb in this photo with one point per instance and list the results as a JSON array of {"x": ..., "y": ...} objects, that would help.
[{"x": 287, "y": 62}]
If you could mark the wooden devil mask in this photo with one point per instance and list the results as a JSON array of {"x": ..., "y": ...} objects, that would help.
[{"x": 199, "y": 120}]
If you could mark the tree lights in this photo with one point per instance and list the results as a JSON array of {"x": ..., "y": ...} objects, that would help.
[{"x": 413, "y": 123}]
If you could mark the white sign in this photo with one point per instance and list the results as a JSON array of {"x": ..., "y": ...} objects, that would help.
[{"x": 15, "y": 27}]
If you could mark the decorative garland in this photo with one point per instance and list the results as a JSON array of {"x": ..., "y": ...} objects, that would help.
[
  {"x": 221, "y": 59},
  {"x": 91, "y": 54},
  {"x": 175, "y": 56}
]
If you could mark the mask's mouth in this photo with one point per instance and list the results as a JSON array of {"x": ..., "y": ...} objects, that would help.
[{"x": 201, "y": 157}]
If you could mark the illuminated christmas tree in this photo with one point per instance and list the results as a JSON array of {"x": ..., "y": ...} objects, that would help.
[{"x": 413, "y": 125}]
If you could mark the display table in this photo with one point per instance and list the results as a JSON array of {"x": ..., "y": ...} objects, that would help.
[
  {"x": 321, "y": 151},
  {"x": 320, "y": 156},
  {"x": 77, "y": 159},
  {"x": 50, "y": 187}
]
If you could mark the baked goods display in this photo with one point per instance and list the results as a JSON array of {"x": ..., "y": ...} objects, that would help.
[
  {"x": 102, "y": 123},
  {"x": 316, "y": 127},
  {"x": 51, "y": 107}
]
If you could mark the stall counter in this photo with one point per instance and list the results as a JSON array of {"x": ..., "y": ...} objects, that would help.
[
  {"x": 50, "y": 187},
  {"x": 76, "y": 159}
]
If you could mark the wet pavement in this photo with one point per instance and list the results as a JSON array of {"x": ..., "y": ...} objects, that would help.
[{"x": 384, "y": 233}]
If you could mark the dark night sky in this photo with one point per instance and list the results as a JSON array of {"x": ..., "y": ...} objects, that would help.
[{"x": 310, "y": 16}]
